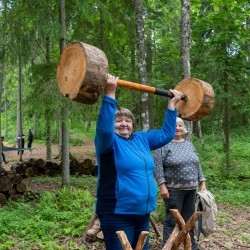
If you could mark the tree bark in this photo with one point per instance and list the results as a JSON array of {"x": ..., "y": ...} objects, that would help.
[
  {"x": 19, "y": 110},
  {"x": 142, "y": 63},
  {"x": 64, "y": 110},
  {"x": 185, "y": 51}
]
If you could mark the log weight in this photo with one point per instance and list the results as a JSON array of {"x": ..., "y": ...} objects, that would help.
[{"x": 81, "y": 76}]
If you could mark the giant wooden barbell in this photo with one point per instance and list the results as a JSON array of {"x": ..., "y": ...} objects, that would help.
[{"x": 81, "y": 76}]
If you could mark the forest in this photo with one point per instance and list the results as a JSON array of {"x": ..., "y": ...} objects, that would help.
[
  {"x": 144, "y": 42},
  {"x": 155, "y": 43}
]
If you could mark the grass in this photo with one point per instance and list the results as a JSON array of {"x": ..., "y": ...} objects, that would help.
[{"x": 50, "y": 219}]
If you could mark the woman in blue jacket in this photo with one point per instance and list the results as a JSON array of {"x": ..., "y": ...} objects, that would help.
[{"x": 126, "y": 189}]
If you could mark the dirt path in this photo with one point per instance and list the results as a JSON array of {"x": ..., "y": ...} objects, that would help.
[{"x": 39, "y": 151}]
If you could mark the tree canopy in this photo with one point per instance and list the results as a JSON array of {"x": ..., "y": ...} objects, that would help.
[{"x": 219, "y": 54}]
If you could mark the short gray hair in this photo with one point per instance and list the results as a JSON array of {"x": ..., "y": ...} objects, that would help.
[
  {"x": 120, "y": 112},
  {"x": 179, "y": 120}
]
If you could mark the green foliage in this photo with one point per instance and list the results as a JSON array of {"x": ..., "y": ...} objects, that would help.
[
  {"x": 45, "y": 222},
  {"x": 231, "y": 185}
]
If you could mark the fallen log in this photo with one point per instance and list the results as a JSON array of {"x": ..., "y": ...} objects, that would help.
[
  {"x": 2, "y": 199},
  {"x": 20, "y": 188},
  {"x": 11, "y": 187},
  {"x": 29, "y": 172},
  {"x": 155, "y": 227},
  {"x": 90, "y": 225},
  {"x": 17, "y": 179},
  {"x": 5, "y": 183}
]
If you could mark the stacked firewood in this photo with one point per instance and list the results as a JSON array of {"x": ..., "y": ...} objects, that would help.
[
  {"x": 11, "y": 186},
  {"x": 37, "y": 167}
]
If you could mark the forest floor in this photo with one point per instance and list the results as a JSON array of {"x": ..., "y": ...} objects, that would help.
[{"x": 233, "y": 227}]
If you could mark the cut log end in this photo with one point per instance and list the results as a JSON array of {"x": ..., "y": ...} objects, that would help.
[
  {"x": 200, "y": 99},
  {"x": 71, "y": 70},
  {"x": 81, "y": 72}
]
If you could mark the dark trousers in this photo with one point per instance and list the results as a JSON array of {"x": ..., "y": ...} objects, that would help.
[
  {"x": 132, "y": 225},
  {"x": 18, "y": 152},
  {"x": 3, "y": 156},
  {"x": 184, "y": 201}
]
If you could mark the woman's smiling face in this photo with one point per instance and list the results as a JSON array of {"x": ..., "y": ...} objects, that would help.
[
  {"x": 123, "y": 126},
  {"x": 179, "y": 131}
]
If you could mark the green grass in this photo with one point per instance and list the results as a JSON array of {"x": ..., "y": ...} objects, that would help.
[
  {"x": 47, "y": 221},
  {"x": 229, "y": 184}
]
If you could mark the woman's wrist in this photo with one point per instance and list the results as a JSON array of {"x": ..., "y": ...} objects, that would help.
[{"x": 110, "y": 94}]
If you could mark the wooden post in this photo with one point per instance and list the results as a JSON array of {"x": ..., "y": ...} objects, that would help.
[
  {"x": 169, "y": 244},
  {"x": 181, "y": 224},
  {"x": 90, "y": 225},
  {"x": 181, "y": 230},
  {"x": 155, "y": 227},
  {"x": 142, "y": 239},
  {"x": 125, "y": 243},
  {"x": 124, "y": 240}
]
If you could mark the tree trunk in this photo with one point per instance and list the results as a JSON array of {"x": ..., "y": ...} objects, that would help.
[
  {"x": 64, "y": 110},
  {"x": 227, "y": 127},
  {"x": 134, "y": 103},
  {"x": 185, "y": 51},
  {"x": 3, "y": 70},
  {"x": 48, "y": 141},
  {"x": 65, "y": 148},
  {"x": 19, "y": 112},
  {"x": 34, "y": 125},
  {"x": 142, "y": 63}
]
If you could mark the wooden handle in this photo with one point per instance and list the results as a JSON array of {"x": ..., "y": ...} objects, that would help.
[{"x": 147, "y": 89}]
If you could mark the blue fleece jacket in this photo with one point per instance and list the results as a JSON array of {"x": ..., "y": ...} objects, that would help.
[{"x": 126, "y": 182}]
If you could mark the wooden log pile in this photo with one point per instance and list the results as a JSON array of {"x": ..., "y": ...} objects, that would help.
[
  {"x": 11, "y": 186},
  {"x": 11, "y": 182},
  {"x": 38, "y": 167}
]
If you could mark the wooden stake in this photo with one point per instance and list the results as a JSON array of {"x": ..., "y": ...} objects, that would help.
[
  {"x": 181, "y": 231},
  {"x": 124, "y": 240},
  {"x": 190, "y": 223},
  {"x": 181, "y": 224},
  {"x": 169, "y": 244},
  {"x": 142, "y": 239},
  {"x": 155, "y": 227}
]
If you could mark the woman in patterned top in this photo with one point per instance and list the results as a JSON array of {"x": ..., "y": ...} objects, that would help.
[{"x": 178, "y": 173}]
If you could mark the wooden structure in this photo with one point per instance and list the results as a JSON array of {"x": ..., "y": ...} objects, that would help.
[
  {"x": 180, "y": 234},
  {"x": 81, "y": 76},
  {"x": 38, "y": 167},
  {"x": 125, "y": 243}
]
